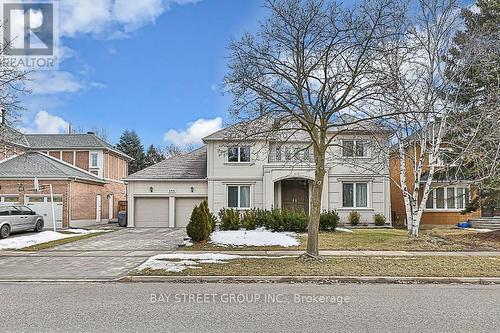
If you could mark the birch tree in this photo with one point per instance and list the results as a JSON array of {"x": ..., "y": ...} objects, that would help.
[
  {"x": 309, "y": 71},
  {"x": 426, "y": 89}
]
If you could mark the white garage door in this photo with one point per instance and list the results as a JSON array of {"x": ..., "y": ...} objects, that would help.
[
  {"x": 151, "y": 212},
  {"x": 41, "y": 205},
  {"x": 183, "y": 209}
]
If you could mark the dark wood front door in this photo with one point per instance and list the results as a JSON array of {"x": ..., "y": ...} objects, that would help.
[{"x": 295, "y": 195}]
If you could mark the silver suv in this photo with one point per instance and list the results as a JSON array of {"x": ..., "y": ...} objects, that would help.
[{"x": 18, "y": 218}]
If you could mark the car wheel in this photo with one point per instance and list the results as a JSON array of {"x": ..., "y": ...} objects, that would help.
[
  {"x": 39, "y": 226},
  {"x": 4, "y": 231}
]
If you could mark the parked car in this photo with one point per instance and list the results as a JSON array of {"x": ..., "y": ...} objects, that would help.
[{"x": 15, "y": 217}]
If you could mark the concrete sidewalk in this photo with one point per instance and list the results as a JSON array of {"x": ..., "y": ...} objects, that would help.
[{"x": 328, "y": 253}]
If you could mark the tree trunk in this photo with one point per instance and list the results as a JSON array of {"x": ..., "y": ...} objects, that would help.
[{"x": 313, "y": 229}]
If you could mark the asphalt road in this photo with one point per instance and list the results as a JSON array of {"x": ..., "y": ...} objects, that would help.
[{"x": 166, "y": 307}]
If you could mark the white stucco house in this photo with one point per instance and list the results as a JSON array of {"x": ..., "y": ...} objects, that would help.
[{"x": 263, "y": 173}]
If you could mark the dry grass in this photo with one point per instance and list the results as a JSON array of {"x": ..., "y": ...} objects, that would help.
[
  {"x": 385, "y": 239},
  {"x": 348, "y": 266},
  {"x": 58, "y": 242}
]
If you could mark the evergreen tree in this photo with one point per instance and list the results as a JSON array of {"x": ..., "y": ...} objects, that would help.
[
  {"x": 130, "y": 144},
  {"x": 153, "y": 156}
]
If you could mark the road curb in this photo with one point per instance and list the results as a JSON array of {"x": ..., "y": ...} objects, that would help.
[{"x": 311, "y": 279}]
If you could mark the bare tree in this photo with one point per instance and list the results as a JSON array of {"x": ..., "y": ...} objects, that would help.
[{"x": 311, "y": 71}]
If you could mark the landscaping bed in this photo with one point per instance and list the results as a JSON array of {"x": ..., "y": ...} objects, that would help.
[
  {"x": 332, "y": 266},
  {"x": 382, "y": 240}
]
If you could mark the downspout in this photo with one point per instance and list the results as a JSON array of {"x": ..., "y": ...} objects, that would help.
[{"x": 70, "y": 199}]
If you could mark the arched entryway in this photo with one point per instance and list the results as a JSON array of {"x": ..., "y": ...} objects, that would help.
[{"x": 293, "y": 194}]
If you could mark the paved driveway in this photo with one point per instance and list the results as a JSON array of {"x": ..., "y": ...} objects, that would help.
[{"x": 103, "y": 257}]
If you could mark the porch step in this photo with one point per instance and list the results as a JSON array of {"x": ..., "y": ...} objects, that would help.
[{"x": 486, "y": 223}]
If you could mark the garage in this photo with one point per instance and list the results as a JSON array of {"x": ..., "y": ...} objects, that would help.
[
  {"x": 41, "y": 204},
  {"x": 183, "y": 209},
  {"x": 151, "y": 212}
]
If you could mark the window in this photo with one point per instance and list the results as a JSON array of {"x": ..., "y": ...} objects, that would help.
[
  {"x": 354, "y": 148},
  {"x": 238, "y": 154},
  {"x": 355, "y": 195},
  {"x": 450, "y": 198},
  {"x": 10, "y": 198},
  {"x": 93, "y": 160},
  {"x": 238, "y": 196},
  {"x": 4, "y": 210}
]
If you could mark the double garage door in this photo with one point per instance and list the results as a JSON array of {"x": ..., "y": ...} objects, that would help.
[{"x": 154, "y": 212}]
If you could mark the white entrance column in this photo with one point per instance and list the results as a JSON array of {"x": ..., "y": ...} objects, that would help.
[{"x": 171, "y": 211}]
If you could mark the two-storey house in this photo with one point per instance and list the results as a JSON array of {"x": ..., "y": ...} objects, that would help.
[
  {"x": 263, "y": 173},
  {"x": 85, "y": 171}
]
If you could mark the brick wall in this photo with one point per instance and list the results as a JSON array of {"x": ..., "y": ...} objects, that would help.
[
  {"x": 84, "y": 201},
  {"x": 60, "y": 187},
  {"x": 67, "y": 156},
  {"x": 82, "y": 160}
]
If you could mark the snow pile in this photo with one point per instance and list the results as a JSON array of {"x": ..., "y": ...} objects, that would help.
[
  {"x": 259, "y": 237},
  {"x": 478, "y": 230},
  {"x": 25, "y": 241},
  {"x": 184, "y": 261},
  {"x": 343, "y": 230}
]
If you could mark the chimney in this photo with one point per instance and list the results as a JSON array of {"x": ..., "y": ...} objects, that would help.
[{"x": 90, "y": 133}]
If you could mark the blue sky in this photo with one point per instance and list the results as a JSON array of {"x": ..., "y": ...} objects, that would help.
[{"x": 153, "y": 66}]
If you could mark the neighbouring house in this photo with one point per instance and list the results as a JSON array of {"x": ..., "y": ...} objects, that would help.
[
  {"x": 262, "y": 173},
  {"x": 86, "y": 173},
  {"x": 446, "y": 199}
]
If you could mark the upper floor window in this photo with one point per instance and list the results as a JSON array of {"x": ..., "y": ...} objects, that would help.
[
  {"x": 238, "y": 154},
  {"x": 296, "y": 154},
  {"x": 354, "y": 148},
  {"x": 450, "y": 197},
  {"x": 93, "y": 160}
]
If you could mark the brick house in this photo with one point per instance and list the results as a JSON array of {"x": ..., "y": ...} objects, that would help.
[{"x": 86, "y": 173}]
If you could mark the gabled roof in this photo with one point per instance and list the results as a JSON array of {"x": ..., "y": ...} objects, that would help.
[
  {"x": 192, "y": 165},
  {"x": 35, "y": 164}
]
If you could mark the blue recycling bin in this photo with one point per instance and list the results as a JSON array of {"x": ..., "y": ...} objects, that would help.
[{"x": 122, "y": 218}]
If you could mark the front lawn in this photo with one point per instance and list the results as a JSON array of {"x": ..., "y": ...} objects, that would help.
[
  {"x": 384, "y": 239},
  {"x": 338, "y": 266}
]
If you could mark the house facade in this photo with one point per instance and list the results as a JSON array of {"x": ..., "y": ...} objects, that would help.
[
  {"x": 262, "y": 173},
  {"x": 86, "y": 173}
]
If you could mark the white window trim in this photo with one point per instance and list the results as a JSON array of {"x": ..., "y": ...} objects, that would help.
[
  {"x": 239, "y": 194},
  {"x": 368, "y": 196},
  {"x": 446, "y": 209},
  {"x": 239, "y": 155},
  {"x": 366, "y": 151},
  {"x": 90, "y": 160}
]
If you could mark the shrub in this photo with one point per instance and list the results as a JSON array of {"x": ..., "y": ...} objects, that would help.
[
  {"x": 229, "y": 219},
  {"x": 262, "y": 216},
  {"x": 328, "y": 220},
  {"x": 354, "y": 218},
  {"x": 249, "y": 220},
  {"x": 379, "y": 219},
  {"x": 212, "y": 220},
  {"x": 294, "y": 221},
  {"x": 198, "y": 227}
]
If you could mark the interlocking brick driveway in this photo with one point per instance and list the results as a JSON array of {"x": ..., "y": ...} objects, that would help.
[{"x": 103, "y": 257}]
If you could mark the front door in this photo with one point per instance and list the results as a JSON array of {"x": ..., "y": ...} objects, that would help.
[
  {"x": 295, "y": 195},
  {"x": 110, "y": 206}
]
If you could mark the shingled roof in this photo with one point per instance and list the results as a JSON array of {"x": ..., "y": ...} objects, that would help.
[
  {"x": 35, "y": 164},
  {"x": 192, "y": 165}
]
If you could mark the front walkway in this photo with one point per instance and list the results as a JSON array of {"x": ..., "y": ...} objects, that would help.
[
  {"x": 103, "y": 258},
  {"x": 328, "y": 253}
]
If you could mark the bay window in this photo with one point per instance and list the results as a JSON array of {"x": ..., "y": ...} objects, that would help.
[
  {"x": 238, "y": 196},
  {"x": 355, "y": 195}
]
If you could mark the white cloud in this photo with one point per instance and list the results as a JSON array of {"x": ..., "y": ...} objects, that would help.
[
  {"x": 45, "y": 122},
  {"x": 113, "y": 18},
  {"x": 194, "y": 132},
  {"x": 53, "y": 82}
]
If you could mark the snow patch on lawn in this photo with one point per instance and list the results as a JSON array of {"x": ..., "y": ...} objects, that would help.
[
  {"x": 85, "y": 231},
  {"x": 259, "y": 237},
  {"x": 187, "y": 260},
  {"x": 343, "y": 230},
  {"x": 25, "y": 241}
]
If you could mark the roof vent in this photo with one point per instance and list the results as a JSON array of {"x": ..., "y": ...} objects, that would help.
[{"x": 90, "y": 133}]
